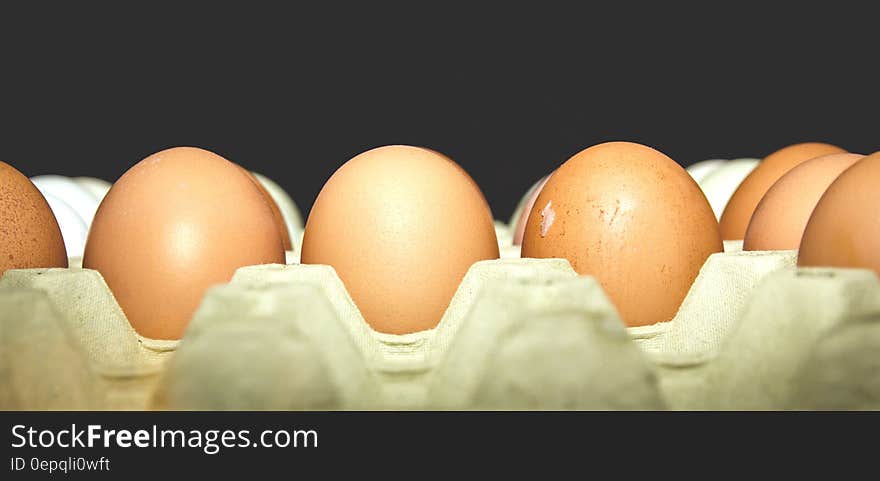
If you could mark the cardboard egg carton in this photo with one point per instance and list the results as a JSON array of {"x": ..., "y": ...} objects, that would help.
[
  {"x": 753, "y": 332},
  {"x": 88, "y": 325},
  {"x": 803, "y": 343},
  {"x": 518, "y": 334},
  {"x": 260, "y": 342}
]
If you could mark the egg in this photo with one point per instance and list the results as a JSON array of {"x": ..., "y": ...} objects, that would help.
[
  {"x": 276, "y": 212},
  {"x": 631, "y": 217},
  {"x": 779, "y": 219},
  {"x": 843, "y": 230},
  {"x": 400, "y": 225},
  {"x": 29, "y": 233},
  {"x": 720, "y": 184},
  {"x": 97, "y": 187},
  {"x": 74, "y": 195},
  {"x": 73, "y": 228},
  {"x": 520, "y": 227},
  {"x": 175, "y": 224},
  {"x": 699, "y": 170},
  {"x": 289, "y": 210},
  {"x": 741, "y": 206}
]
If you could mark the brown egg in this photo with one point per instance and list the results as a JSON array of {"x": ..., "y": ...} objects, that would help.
[
  {"x": 29, "y": 233},
  {"x": 741, "y": 206},
  {"x": 520, "y": 228},
  {"x": 632, "y": 218},
  {"x": 401, "y": 226},
  {"x": 276, "y": 212},
  {"x": 844, "y": 230},
  {"x": 779, "y": 220},
  {"x": 175, "y": 224}
]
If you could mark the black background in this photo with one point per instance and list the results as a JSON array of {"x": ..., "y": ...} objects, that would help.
[
  {"x": 508, "y": 93},
  {"x": 416, "y": 444}
]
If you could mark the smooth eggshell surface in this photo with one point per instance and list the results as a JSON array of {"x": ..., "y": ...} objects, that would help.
[
  {"x": 632, "y": 218},
  {"x": 292, "y": 217},
  {"x": 720, "y": 184},
  {"x": 844, "y": 229},
  {"x": 742, "y": 203},
  {"x": 76, "y": 196},
  {"x": 95, "y": 186},
  {"x": 401, "y": 225},
  {"x": 73, "y": 227},
  {"x": 276, "y": 212},
  {"x": 699, "y": 170},
  {"x": 520, "y": 228},
  {"x": 29, "y": 233},
  {"x": 175, "y": 224},
  {"x": 779, "y": 220}
]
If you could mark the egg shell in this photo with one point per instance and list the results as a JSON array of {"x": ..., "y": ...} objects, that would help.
[
  {"x": 843, "y": 230},
  {"x": 779, "y": 220},
  {"x": 401, "y": 225},
  {"x": 95, "y": 186},
  {"x": 73, "y": 227},
  {"x": 631, "y": 217},
  {"x": 741, "y": 206},
  {"x": 719, "y": 185},
  {"x": 29, "y": 233},
  {"x": 292, "y": 216},
  {"x": 699, "y": 170},
  {"x": 520, "y": 206},
  {"x": 74, "y": 195},
  {"x": 276, "y": 212},
  {"x": 520, "y": 228},
  {"x": 176, "y": 223}
]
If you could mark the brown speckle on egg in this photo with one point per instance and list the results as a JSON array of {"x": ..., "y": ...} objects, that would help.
[
  {"x": 632, "y": 218},
  {"x": 29, "y": 232}
]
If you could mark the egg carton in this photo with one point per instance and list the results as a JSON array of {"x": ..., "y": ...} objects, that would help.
[
  {"x": 519, "y": 333},
  {"x": 754, "y": 332},
  {"x": 792, "y": 325},
  {"x": 81, "y": 334}
]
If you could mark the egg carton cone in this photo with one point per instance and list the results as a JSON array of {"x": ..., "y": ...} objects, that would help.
[
  {"x": 260, "y": 342},
  {"x": 41, "y": 366},
  {"x": 125, "y": 365},
  {"x": 274, "y": 347},
  {"x": 842, "y": 371},
  {"x": 539, "y": 346},
  {"x": 682, "y": 349},
  {"x": 795, "y": 339}
]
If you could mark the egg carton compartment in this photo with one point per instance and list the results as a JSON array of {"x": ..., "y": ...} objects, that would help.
[
  {"x": 842, "y": 370},
  {"x": 518, "y": 334},
  {"x": 682, "y": 348},
  {"x": 41, "y": 367},
  {"x": 795, "y": 339},
  {"x": 754, "y": 332},
  {"x": 122, "y": 366}
]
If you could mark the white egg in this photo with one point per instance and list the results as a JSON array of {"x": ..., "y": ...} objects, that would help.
[
  {"x": 514, "y": 218},
  {"x": 722, "y": 182},
  {"x": 97, "y": 187},
  {"x": 289, "y": 210},
  {"x": 700, "y": 170},
  {"x": 73, "y": 227},
  {"x": 82, "y": 201}
]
